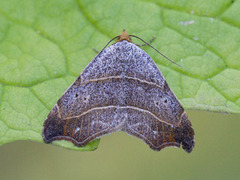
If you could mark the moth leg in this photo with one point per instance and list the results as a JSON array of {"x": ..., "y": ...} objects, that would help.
[
  {"x": 151, "y": 40},
  {"x": 95, "y": 50}
]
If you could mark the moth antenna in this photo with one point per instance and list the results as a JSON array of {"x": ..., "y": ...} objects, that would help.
[
  {"x": 109, "y": 42},
  {"x": 155, "y": 50}
]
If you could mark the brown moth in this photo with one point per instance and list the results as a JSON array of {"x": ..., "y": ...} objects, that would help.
[{"x": 120, "y": 89}]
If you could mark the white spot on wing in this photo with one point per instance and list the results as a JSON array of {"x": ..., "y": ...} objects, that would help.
[{"x": 76, "y": 130}]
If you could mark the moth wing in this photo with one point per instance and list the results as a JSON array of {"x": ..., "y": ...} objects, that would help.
[
  {"x": 89, "y": 108},
  {"x": 82, "y": 129},
  {"x": 157, "y": 134}
]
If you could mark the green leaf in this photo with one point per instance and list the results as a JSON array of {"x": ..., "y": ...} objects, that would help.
[{"x": 45, "y": 45}]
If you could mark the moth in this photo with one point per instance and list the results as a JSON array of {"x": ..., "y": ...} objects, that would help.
[{"x": 120, "y": 89}]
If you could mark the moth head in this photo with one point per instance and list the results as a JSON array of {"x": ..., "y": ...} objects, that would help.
[{"x": 124, "y": 36}]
